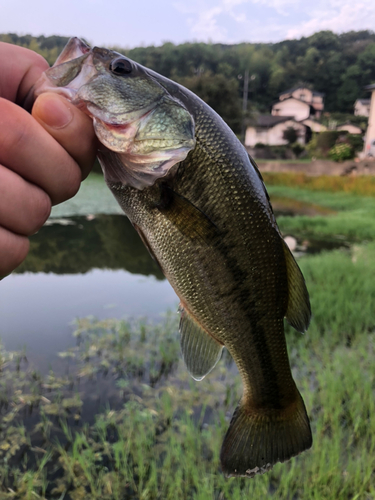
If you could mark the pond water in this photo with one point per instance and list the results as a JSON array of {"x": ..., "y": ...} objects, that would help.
[
  {"x": 87, "y": 265},
  {"x": 78, "y": 267}
]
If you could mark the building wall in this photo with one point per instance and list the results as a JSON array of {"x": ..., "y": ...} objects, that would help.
[
  {"x": 352, "y": 129},
  {"x": 273, "y": 136},
  {"x": 361, "y": 109},
  {"x": 299, "y": 110},
  {"x": 370, "y": 133}
]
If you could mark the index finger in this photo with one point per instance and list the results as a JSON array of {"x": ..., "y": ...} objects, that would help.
[{"x": 20, "y": 69}]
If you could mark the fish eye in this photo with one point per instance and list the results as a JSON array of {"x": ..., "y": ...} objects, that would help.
[{"x": 121, "y": 67}]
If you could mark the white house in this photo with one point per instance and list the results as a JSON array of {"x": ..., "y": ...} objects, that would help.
[
  {"x": 302, "y": 93},
  {"x": 296, "y": 108},
  {"x": 362, "y": 107},
  {"x": 291, "y": 106},
  {"x": 268, "y": 129}
]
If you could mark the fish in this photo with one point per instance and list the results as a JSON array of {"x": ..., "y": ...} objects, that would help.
[{"x": 199, "y": 204}]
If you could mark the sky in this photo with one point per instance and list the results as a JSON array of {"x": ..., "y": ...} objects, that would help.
[{"x": 153, "y": 22}]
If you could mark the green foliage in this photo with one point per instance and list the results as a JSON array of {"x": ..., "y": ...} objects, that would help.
[
  {"x": 320, "y": 144},
  {"x": 297, "y": 148},
  {"x": 341, "y": 152},
  {"x": 290, "y": 135},
  {"x": 337, "y": 65},
  {"x": 338, "y": 118},
  {"x": 220, "y": 92},
  {"x": 326, "y": 140},
  {"x": 356, "y": 142}
]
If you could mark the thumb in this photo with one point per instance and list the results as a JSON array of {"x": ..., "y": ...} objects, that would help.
[{"x": 69, "y": 126}]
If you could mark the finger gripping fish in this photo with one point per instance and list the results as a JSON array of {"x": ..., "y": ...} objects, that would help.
[{"x": 201, "y": 208}]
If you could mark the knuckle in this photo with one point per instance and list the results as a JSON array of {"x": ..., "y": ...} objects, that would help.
[
  {"x": 71, "y": 184},
  {"x": 40, "y": 213}
]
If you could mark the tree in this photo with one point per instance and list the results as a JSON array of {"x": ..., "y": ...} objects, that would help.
[
  {"x": 219, "y": 92},
  {"x": 290, "y": 134}
]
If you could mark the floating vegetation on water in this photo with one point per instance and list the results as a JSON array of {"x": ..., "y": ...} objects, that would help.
[{"x": 125, "y": 421}]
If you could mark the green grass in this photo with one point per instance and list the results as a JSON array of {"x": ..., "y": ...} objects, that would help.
[
  {"x": 354, "y": 220},
  {"x": 163, "y": 438},
  {"x": 160, "y": 436}
]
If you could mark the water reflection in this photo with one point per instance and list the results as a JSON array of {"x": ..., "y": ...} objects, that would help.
[
  {"x": 77, "y": 267},
  {"x": 82, "y": 266},
  {"x": 79, "y": 244}
]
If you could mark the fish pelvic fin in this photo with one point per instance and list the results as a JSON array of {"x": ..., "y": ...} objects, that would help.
[
  {"x": 298, "y": 311},
  {"x": 200, "y": 351},
  {"x": 256, "y": 440}
]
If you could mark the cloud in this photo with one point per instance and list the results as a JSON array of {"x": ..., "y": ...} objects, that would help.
[
  {"x": 233, "y": 21},
  {"x": 281, "y": 7},
  {"x": 205, "y": 25},
  {"x": 338, "y": 16},
  {"x": 205, "y": 21}
]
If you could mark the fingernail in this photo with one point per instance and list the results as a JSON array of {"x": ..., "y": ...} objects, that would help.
[{"x": 54, "y": 111}]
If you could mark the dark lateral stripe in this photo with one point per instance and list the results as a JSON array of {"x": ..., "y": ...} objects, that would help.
[{"x": 250, "y": 312}]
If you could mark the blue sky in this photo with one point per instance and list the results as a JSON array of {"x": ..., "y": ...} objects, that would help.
[{"x": 146, "y": 22}]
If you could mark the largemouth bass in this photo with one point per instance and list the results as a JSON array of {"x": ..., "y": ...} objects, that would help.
[{"x": 200, "y": 206}]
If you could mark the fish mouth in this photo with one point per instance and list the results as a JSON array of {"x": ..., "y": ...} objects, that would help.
[
  {"x": 67, "y": 78},
  {"x": 72, "y": 68}
]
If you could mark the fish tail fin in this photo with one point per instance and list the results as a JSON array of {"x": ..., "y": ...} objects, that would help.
[{"x": 256, "y": 440}]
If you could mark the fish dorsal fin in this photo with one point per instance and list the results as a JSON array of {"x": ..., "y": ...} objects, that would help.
[
  {"x": 200, "y": 351},
  {"x": 299, "y": 311},
  {"x": 186, "y": 217}
]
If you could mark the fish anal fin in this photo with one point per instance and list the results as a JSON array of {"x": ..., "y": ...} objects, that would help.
[
  {"x": 298, "y": 311},
  {"x": 257, "y": 439},
  {"x": 186, "y": 217},
  {"x": 200, "y": 351}
]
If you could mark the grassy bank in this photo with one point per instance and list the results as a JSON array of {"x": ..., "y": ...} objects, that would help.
[
  {"x": 161, "y": 435},
  {"x": 353, "y": 220}
]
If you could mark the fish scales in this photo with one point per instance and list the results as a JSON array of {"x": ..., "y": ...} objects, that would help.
[{"x": 207, "y": 220}]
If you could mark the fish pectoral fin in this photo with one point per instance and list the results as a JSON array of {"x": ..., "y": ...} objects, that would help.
[
  {"x": 186, "y": 217},
  {"x": 298, "y": 311},
  {"x": 200, "y": 351}
]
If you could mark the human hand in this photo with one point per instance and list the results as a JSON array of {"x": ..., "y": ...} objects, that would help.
[{"x": 43, "y": 156}]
